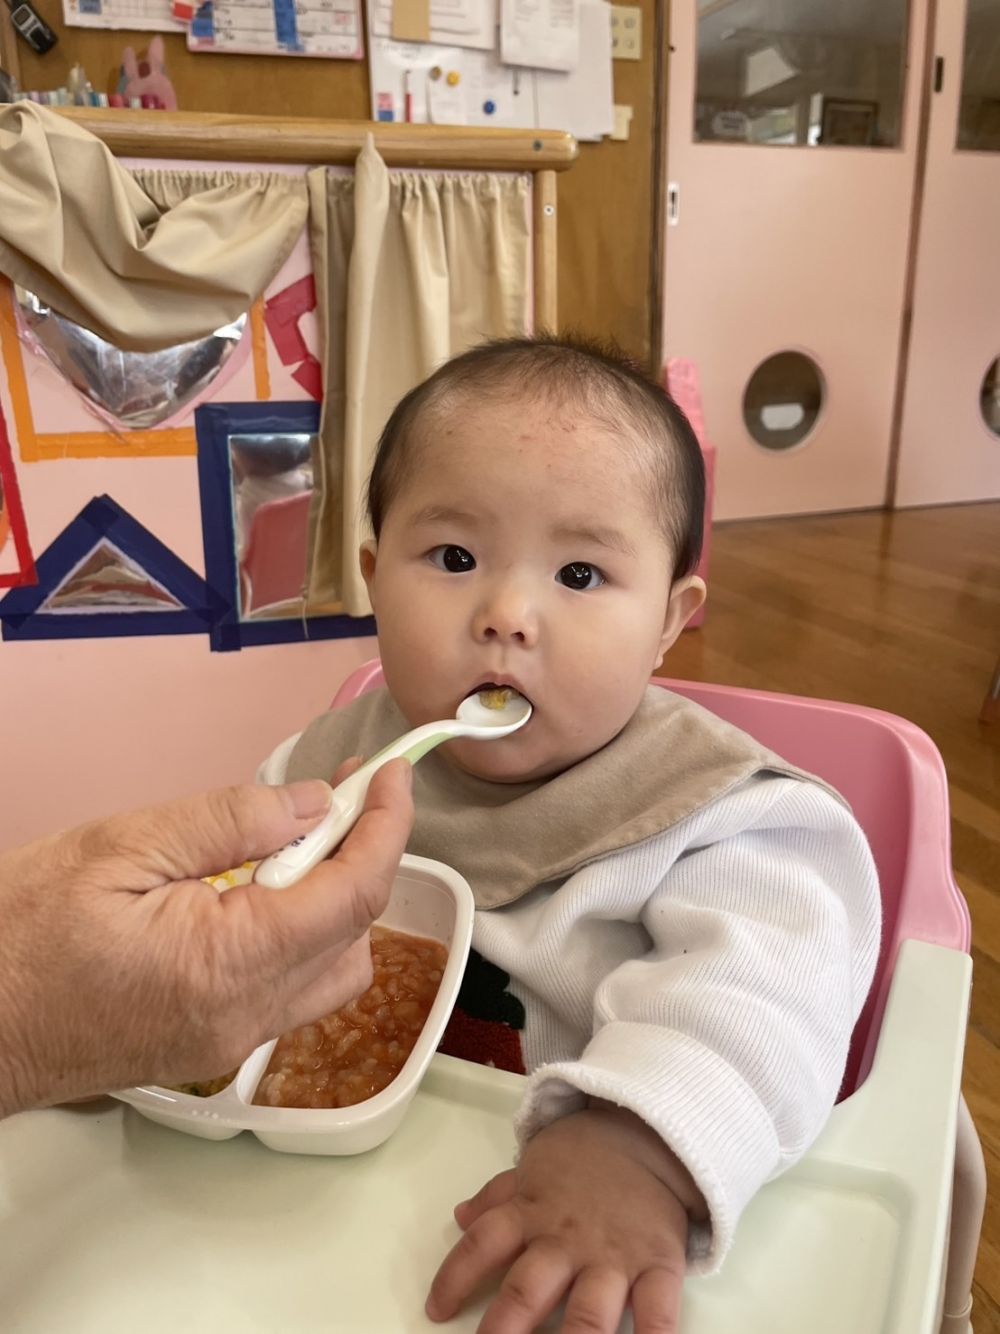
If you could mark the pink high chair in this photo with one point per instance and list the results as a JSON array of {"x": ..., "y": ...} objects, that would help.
[{"x": 900, "y": 1145}]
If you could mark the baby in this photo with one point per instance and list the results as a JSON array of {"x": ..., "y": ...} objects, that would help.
[{"x": 675, "y": 929}]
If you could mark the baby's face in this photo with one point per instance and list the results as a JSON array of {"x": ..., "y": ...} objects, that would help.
[{"x": 523, "y": 548}]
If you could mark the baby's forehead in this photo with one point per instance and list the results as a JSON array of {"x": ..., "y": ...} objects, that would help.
[
  {"x": 492, "y": 402},
  {"x": 468, "y": 440},
  {"x": 513, "y": 416},
  {"x": 586, "y": 437}
]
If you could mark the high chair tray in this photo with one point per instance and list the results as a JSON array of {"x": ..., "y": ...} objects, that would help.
[{"x": 112, "y": 1224}]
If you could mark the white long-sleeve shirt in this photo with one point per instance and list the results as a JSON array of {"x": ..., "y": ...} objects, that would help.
[{"x": 708, "y": 979}]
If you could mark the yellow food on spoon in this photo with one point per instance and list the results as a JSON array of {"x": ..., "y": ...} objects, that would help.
[{"x": 495, "y": 699}]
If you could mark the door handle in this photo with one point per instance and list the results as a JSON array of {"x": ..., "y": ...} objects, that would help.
[{"x": 673, "y": 204}]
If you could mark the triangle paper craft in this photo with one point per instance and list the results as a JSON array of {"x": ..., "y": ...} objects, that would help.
[{"x": 107, "y": 574}]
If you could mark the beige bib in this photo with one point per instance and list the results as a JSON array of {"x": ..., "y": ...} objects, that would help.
[{"x": 672, "y": 759}]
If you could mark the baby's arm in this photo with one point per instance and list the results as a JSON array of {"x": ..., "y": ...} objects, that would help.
[
  {"x": 730, "y": 1036},
  {"x": 725, "y": 1042}
]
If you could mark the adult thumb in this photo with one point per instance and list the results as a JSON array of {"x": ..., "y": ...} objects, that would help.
[{"x": 202, "y": 835}]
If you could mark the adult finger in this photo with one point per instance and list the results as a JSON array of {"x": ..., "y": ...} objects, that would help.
[
  {"x": 656, "y": 1300},
  {"x": 338, "y": 977},
  {"x": 491, "y": 1243},
  {"x": 196, "y": 836},
  {"x": 340, "y": 898},
  {"x": 497, "y": 1191},
  {"x": 597, "y": 1301},
  {"x": 531, "y": 1291}
]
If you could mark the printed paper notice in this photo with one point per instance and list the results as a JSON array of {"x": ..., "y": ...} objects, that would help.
[
  {"x": 140, "y": 15},
  {"x": 582, "y": 101},
  {"x": 446, "y": 103},
  {"x": 279, "y": 28},
  {"x": 543, "y": 34}
]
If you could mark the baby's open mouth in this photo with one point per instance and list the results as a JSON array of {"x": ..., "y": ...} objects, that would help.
[{"x": 496, "y": 695}]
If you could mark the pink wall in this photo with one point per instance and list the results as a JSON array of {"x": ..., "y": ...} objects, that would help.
[{"x": 89, "y": 726}]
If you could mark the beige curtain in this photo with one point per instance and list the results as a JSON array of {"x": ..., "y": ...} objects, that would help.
[
  {"x": 145, "y": 261},
  {"x": 411, "y": 268}
]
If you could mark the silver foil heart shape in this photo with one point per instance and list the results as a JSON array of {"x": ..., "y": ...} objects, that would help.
[{"x": 133, "y": 389}]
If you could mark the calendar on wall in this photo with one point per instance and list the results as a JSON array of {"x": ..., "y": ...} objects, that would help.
[
  {"x": 330, "y": 28},
  {"x": 142, "y": 15}
]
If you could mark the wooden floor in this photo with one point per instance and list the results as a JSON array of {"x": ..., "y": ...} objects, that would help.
[{"x": 901, "y": 612}]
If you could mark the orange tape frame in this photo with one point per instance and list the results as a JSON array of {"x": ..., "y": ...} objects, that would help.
[{"x": 171, "y": 442}]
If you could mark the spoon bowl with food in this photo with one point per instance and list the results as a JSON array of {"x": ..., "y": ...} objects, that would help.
[{"x": 485, "y": 715}]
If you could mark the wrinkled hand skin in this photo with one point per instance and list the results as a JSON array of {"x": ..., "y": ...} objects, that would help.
[
  {"x": 118, "y": 966},
  {"x": 595, "y": 1214}
]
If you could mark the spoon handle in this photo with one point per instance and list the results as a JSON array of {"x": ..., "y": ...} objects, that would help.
[{"x": 298, "y": 858}]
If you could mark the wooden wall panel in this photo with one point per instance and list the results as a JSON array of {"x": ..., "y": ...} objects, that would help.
[{"x": 606, "y": 207}]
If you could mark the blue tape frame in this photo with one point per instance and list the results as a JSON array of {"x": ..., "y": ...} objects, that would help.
[
  {"x": 214, "y": 424},
  {"x": 103, "y": 519}
]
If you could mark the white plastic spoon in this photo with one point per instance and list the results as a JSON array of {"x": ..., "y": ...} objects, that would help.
[{"x": 481, "y": 722}]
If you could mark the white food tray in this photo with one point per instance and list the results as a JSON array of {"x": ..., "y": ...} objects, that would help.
[{"x": 428, "y": 899}]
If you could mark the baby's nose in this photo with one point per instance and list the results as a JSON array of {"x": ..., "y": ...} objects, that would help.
[{"x": 507, "y": 617}]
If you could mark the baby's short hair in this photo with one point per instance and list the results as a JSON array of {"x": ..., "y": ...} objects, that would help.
[{"x": 596, "y": 379}]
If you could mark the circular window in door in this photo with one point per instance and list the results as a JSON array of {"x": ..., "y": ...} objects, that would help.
[
  {"x": 989, "y": 397},
  {"x": 782, "y": 400}
]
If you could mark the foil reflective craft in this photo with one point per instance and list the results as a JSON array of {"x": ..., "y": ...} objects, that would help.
[{"x": 131, "y": 389}]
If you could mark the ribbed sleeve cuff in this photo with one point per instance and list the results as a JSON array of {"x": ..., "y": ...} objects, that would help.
[{"x": 696, "y": 1102}]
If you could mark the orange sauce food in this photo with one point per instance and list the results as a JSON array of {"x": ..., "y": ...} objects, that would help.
[{"x": 354, "y": 1053}]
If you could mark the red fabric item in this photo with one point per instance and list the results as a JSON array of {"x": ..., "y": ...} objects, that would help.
[{"x": 484, "y": 1042}]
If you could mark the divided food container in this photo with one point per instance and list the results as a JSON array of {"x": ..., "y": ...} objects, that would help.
[{"x": 428, "y": 899}]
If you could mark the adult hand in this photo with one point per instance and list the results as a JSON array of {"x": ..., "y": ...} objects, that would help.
[{"x": 119, "y": 966}]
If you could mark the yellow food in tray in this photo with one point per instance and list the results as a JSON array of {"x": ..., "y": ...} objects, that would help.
[{"x": 240, "y": 875}]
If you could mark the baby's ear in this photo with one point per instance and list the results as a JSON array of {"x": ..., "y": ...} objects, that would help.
[
  {"x": 155, "y": 54},
  {"x": 686, "y": 596},
  {"x": 130, "y": 65},
  {"x": 367, "y": 555}
]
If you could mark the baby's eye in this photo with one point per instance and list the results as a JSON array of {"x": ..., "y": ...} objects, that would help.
[
  {"x": 579, "y": 575},
  {"x": 456, "y": 560}
]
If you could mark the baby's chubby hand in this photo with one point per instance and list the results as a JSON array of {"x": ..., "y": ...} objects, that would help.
[{"x": 595, "y": 1213}]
